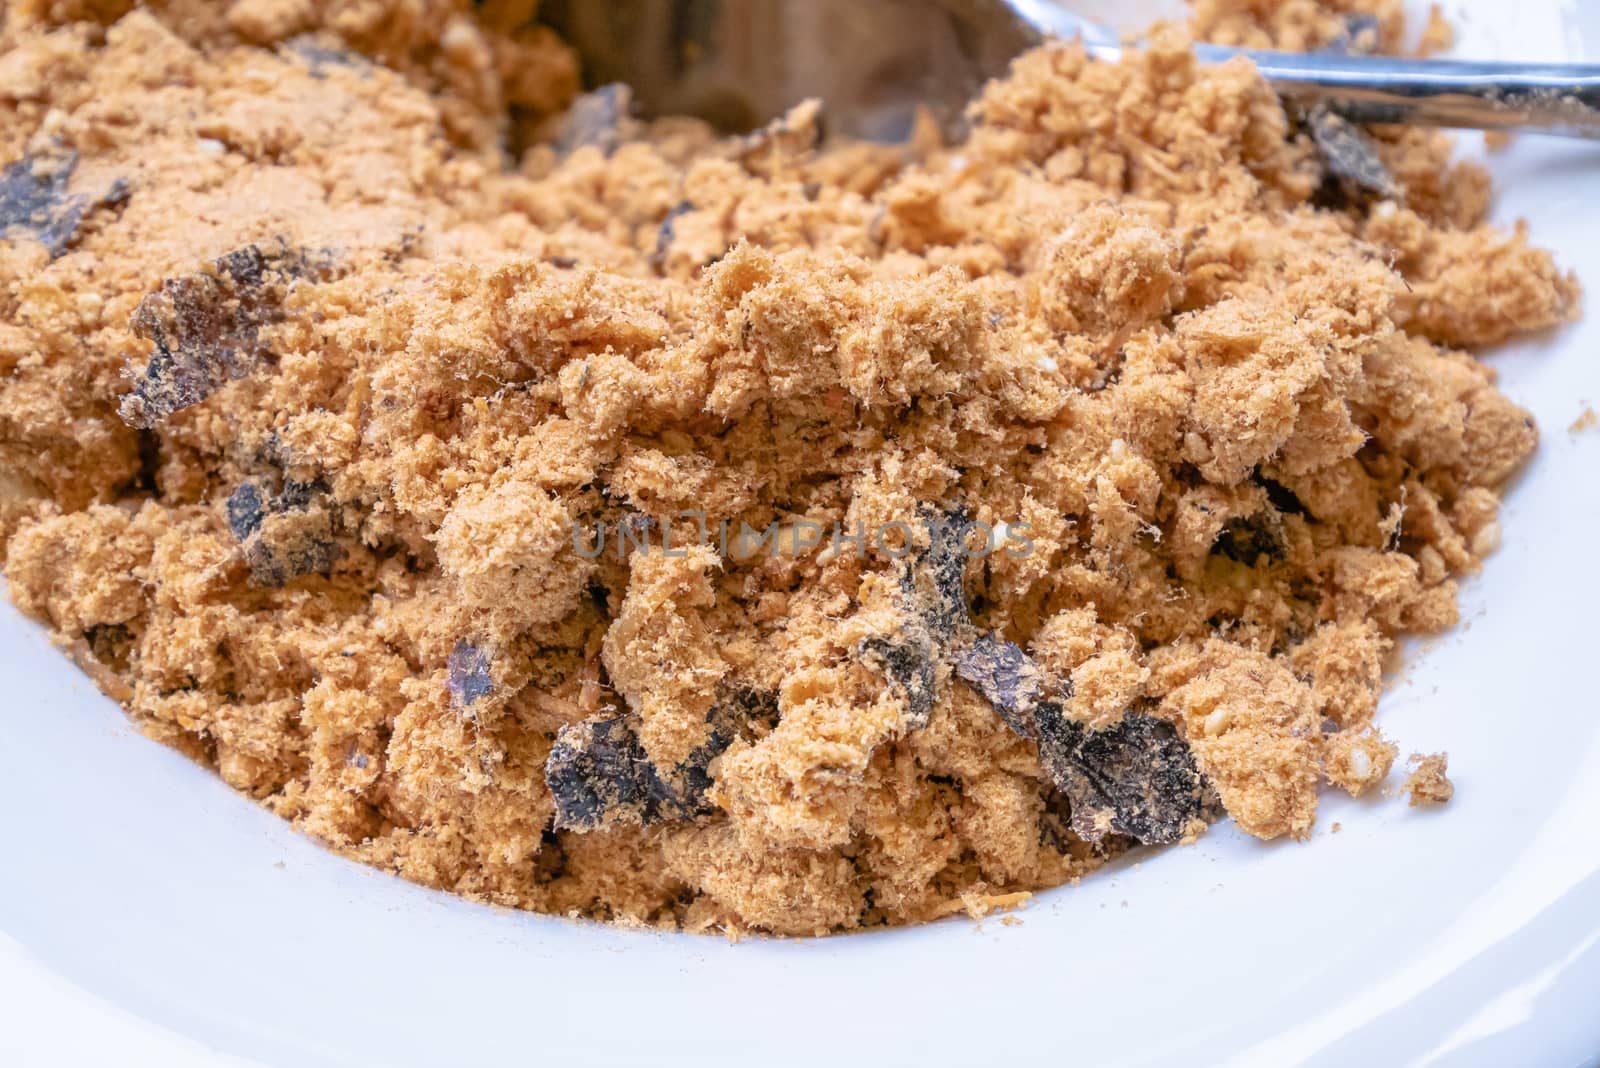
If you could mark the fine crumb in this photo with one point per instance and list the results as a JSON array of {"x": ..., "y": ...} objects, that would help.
[
  {"x": 1337, "y": 827},
  {"x": 1428, "y": 784},
  {"x": 1585, "y": 421},
  {"x": 978, "y": 905},
  {"x": 613, "y": 519},
  {"x": 1438, "y": 36}
]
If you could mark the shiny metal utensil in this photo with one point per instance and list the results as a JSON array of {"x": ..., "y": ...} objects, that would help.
[{"x": 739, "y": 63}]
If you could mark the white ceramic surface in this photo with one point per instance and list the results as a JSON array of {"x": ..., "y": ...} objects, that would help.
[{"x": 149, "y": 915}]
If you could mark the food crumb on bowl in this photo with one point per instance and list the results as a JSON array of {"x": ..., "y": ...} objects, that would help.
[{"x": 1428, "y": 784}]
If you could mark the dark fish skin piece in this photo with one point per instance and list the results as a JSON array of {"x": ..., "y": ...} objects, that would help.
[
  {"x": 1246, "y": 541},
  {"x": 1359, "y": 36},
  {"x": 694, "y": 776},
  {"x": 283, "y": 537},
  {"x": 320, "y": 56},
  {"x": 206, "y": 331},
  {"x": 291, "y": 544},
  {"x": 1008, "y": 679},
  {"x": 245, "y": 510},
  {"x": 933, "y": 593},
  {"x": 667, "y": 233},
  {"x": 1350, "y": 154},
  {"x": 785, "y": 136},
  {"x": 935, "y": 581},
  {"x": 467, "y": 674},
  {"x": 297, "y": 494},
  {"x": 912, "y": 666},
  {"x": 1137, "y": 778},
  {"x": 726, "y": 720},
  {"x": 596, "y": 119},
  {"x": 599, "y": 773},
  {"x": 34, "y": 201}
]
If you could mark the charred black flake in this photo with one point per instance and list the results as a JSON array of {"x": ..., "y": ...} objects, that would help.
[
  {"x": 467, "y": 674},
  {"x": 206, "y": 330},
  {"x": 34, "y": 201}
]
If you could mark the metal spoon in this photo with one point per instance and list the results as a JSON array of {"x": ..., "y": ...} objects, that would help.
[{"x": 742, "y": 62}]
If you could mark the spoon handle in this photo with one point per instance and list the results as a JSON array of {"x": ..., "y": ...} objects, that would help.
[{"x": 1555, "y": 98}]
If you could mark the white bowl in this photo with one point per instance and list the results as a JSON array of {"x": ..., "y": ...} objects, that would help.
[{"x": 149, "y": 914}]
